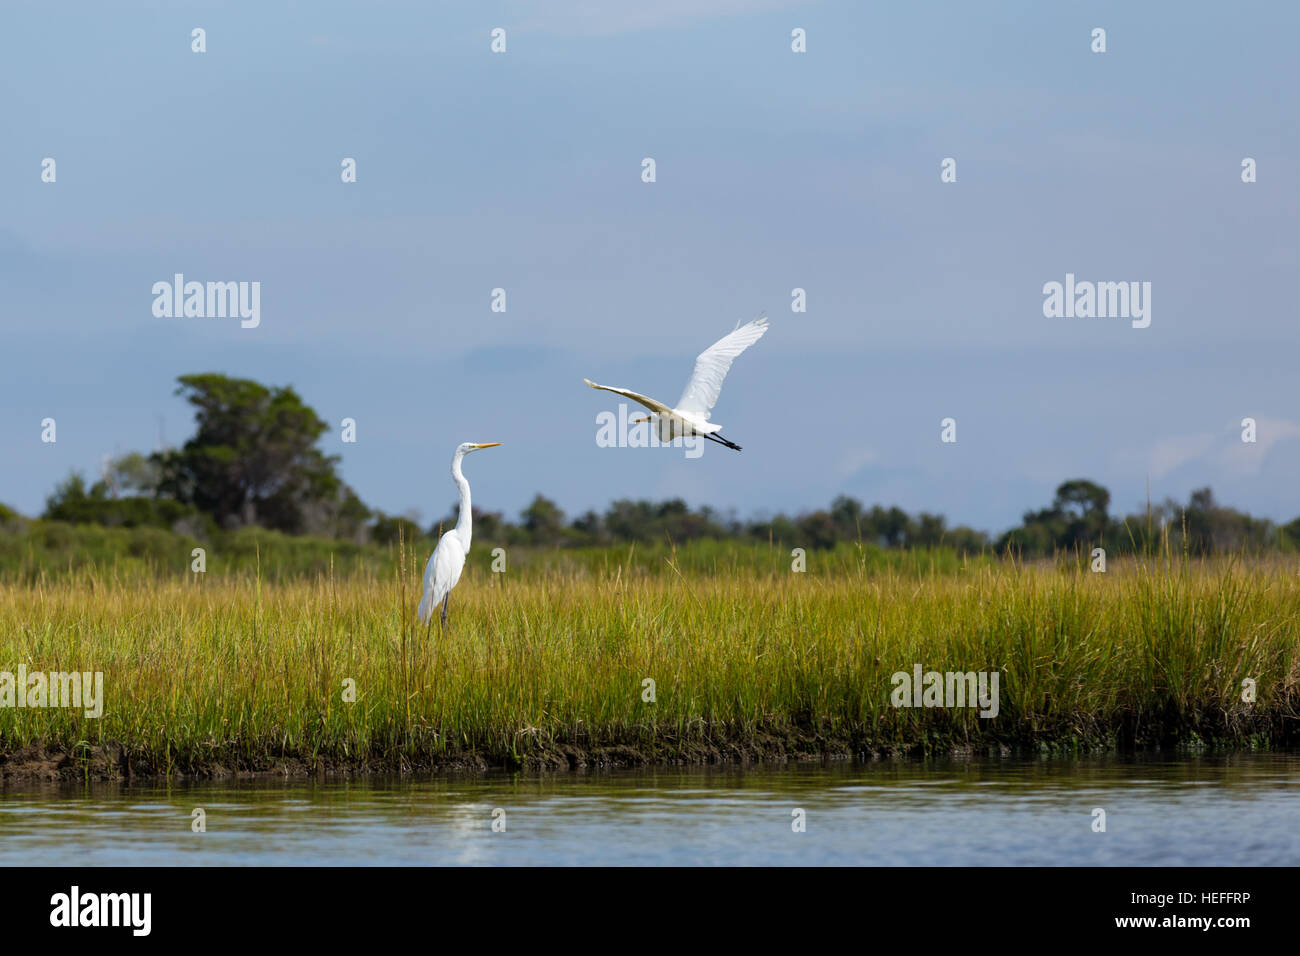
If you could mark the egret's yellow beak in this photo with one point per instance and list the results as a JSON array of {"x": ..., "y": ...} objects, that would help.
[
  {"x": 643, "y": 418},
  {"x": 489, "y": 444}
]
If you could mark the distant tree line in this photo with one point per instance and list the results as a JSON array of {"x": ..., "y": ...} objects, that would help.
[
  {"x": 1079, "y": 519},
  {"x": 1076, "y": 521},
  {"x": 253, "y": 461}
]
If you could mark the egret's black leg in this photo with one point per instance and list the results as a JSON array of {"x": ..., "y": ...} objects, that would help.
[
  {"x": 444, "y": 608},
  {"x": 722, "y": 441}
]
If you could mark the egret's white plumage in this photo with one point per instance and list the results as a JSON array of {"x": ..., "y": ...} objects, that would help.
[
  {"x": 448, "y": 558},
  {"x": 691, "y": 416}
]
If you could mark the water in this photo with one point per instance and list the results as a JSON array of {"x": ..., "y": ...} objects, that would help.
[{"x": 1220, "y": 810}]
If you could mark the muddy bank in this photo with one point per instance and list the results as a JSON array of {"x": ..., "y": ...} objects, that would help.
[
  {"x": 53, "y": 762},
  {"x": 39, "y": 762}
]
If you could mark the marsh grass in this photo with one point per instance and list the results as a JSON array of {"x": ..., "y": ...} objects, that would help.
[{"x": 545, "y": 665}]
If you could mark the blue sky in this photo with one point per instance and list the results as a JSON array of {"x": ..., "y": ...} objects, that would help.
[{"x": 775, "y": 170}]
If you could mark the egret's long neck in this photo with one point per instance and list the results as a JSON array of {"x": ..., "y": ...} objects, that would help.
[{"x": 465, "y": 522}]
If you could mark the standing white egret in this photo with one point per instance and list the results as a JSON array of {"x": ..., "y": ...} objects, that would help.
[
  {"x": 691, "y": 416},
  {"x": 448, "y": 559}
]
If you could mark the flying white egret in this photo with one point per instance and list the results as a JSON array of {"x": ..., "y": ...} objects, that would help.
[
  {"x": 691, "y": 416},
  {"x": 448, "y": 559}
]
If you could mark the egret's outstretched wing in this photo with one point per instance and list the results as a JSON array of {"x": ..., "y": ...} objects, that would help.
[
  {"x": 712, "y": 364},
  {"x": 649, "y": 403}
]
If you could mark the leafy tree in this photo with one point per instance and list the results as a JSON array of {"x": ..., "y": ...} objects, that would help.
[
  {"x": 1290, "y": 535},
  {"x": 928, "y": 530},
  {"x": 675, "y": 521},
  {"x": 1076, "y": 519},
  {"x": 888, "y": 527},
  {"x": 779, "y": 530},
  {"x": 11, "y": 522},
  {"x": 390, "y": 529},
  {"x": 350, "y": 515},
  {"x": 1210, "y": 527},
  {"x": 590, "y": 529},
  {"x": 630, "y": 520},
  {"x": 818, "y": 529},
  {"x": 74, "y": 503},
  {"x": 133, "y": 472},
  {"x": 847, "y": 516},
  {"x": 544, "y": 521},
  {"x": 253, "y": 459},
  {"x": 1081, "y": 505},
  {"x": 965, "y": 539}
]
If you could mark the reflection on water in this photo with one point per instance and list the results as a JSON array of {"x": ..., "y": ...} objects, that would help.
[{"x": 1214, "y": 810}]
